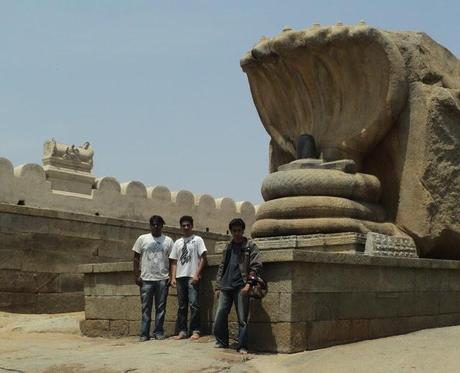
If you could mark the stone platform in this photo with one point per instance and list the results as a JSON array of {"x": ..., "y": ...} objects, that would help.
[{"x": 315, "y": 299}]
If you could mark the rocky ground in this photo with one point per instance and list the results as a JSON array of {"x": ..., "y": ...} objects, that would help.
[{"x": 52, "y": 343}]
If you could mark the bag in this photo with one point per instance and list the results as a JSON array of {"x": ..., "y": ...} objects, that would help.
[{"x": 259, "y": 287}]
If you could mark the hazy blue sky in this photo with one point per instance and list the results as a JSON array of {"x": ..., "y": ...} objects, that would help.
[{"x": 156, "y": 87}]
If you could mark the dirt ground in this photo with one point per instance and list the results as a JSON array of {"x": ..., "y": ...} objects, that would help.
[{"x": 52, "y": 343}]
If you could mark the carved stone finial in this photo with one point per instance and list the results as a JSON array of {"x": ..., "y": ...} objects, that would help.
[{"x": 68, "y": 167}]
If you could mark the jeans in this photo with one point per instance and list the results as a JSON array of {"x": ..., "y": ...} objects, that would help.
[
  {"x": 226, "y": 298},
  {"x": 188, "y": 294},
  {"x": 159, "y": 291}
]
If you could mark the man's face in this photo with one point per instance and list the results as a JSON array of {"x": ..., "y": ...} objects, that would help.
[
  {"x": 186, "y": 227},
  {"x": 237, "y": 233},
  {"x": 156, "y": 228}
]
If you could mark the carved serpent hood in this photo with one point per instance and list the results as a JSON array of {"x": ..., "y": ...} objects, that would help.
[{"x": 345, "y": 85}]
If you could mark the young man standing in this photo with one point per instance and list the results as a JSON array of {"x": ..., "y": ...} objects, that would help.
[
  {"x": 241, "y": 259},
  {"x": 151, "y": 271},
  {"x": 188, "y": 259}
]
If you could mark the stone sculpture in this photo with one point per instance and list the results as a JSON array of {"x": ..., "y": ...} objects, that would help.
[
  {"x": 68, "y": 167},
  {"x": 390, "y": 102}
]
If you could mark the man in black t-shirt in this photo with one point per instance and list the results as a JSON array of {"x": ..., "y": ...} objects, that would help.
[{"x": 240, "y": 259}]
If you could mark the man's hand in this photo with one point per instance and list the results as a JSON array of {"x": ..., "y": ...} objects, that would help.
[
  {"x": 196, "y": 278},
  {"x": 138, "y": 281},
  {"x": 173, "y": 282},
  {"x": 245, "y": 291},
  {"x": 217, "y": 293}
]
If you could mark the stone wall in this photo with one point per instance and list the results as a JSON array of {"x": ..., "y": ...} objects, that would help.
[
  {"x": 29, "y": 185},
  {"x": 40, "y": 250},
  {"x": 315, "y": 299}
]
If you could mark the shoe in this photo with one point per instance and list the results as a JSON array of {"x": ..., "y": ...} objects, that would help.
[
  {"x": 220, "y": 345},
  {"x": 181, "y": 335},
  {"x": 195, "y": 336},
  {"x": 143, "y": 338},
  {"x": 160, "y": 337},
  {"x": 243, "y": 351}
]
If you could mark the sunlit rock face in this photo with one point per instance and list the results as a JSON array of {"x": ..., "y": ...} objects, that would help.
[{"x": 390, "y": 101}]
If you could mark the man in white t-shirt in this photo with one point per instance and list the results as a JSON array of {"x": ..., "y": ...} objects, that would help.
[
  {"x": 188, "y": 259},
  {"x": 151, "y": 271}
]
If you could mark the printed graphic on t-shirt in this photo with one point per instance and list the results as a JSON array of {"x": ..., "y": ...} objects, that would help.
[
  {"x": 185, "y": 256},
  {"x": 155, "y": 263}
]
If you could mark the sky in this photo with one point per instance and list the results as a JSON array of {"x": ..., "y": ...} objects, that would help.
[{"x": 156, "y": 86}]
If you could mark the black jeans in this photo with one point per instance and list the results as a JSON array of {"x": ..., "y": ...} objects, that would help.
[
  {"x": 226, "y": 298},
  {"x": 159, "y": 291},
  {"x": 188, "y": 294}
]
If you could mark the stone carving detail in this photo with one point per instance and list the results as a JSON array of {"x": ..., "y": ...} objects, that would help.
[
  {"x": 68, "y": 167},
  {"x": 382, "y": 245},
  {"x": 389, "y": 101},
  {"x": 78, "y": 158}
]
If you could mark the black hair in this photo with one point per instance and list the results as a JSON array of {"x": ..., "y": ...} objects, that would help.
[
  {"x": 157, "y": 219},
  {"x": 186, "y": 218},
  {"x": 237, "y": 222}
]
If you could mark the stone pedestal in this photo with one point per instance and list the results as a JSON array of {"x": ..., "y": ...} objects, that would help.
[{"x": 315, "y": 299}]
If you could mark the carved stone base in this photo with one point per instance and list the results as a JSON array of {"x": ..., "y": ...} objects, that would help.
[
  {"x": 69, "y": 181},
  {"x": 382, "y": 245}
]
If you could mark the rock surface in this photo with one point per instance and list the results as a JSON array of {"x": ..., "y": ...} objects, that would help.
[{"x": 388, "y": 100}]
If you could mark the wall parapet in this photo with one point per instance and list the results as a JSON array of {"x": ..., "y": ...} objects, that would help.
[{"x": 28, "y": 185}]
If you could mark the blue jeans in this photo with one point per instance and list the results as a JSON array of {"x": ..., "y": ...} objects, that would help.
[
  {"x": 149, "y": 291},
  {"x": 226, "y": 298},
  {"x": 188, "y": 294}
]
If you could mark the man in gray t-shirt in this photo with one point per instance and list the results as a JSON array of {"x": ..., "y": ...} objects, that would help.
[{"x": 151, "y": 270}]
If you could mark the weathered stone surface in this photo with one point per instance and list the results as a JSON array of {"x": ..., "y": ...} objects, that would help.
[
  {"x": 334, "y": 242},
  {"x": 360, "y": 187},
  {"x": 315, "y": 81},
  {"x": 283, "y": 227},
  {"x": 59, "y": 302},
  {"x": 319, "y": 207},
  {"x": 95, "y": 328}
]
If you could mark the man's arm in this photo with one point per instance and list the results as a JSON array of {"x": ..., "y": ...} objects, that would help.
[
  {"x": 136, "y": 267},
  {"x": 200, "y": 269},
  {"x": 173, "y": 267},
  {"x": 255, "y": 262}
]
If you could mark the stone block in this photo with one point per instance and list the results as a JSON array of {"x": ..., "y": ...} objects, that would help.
[
  {"x": 15, "y": 240},
  {"x": 453, "y": 279},
  {"x": 119, "y": 328},
  {"x": 277, "y": 337},
  {"x": 70, "y": 282},
  {"x": 419, "y": 303},
  {"x": 384, "y": 327},
  {"x": 112, "y": 307},
  {"x": 121, "y": 283},
  {"x": 60, "y": 302},
  {"x": 449, "y": 302},
  {"x": 329, "y": 332},
  {"x": 11, "y": 259},
  {"x": 433, "y": 280},
  {"x": 327, "y": 277},
  {"x": 28, "y": 282},
  {"x": 17, "y": 302},
  {"x": 95, "y": 328},
  {"x": 266, "y": 309}
]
